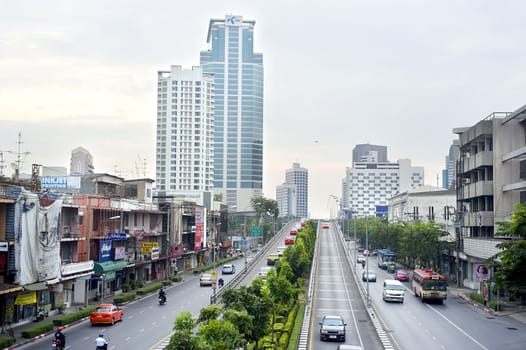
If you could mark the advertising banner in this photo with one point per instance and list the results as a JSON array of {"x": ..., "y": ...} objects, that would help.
[
  {"x": 481, "y": 272},
  {"x": 120, "y": 253},
  {"x": 199, "y": 227},
  {"x": 117, "y": 236},
  {"x": 155, "y": 253},
  {"x": 26, "y": 298}
]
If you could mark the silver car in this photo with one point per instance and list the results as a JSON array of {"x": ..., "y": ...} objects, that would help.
[{"x": 368, "y": 276}]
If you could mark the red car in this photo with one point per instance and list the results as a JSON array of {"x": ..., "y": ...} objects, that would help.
[
  {"x": 325, "y": 226},
  {"x": 106, "y": 314},
  {"x": 293, "y": 231},
  {"x": 289, "y": 240},
  {"x": 401, "y": 275}
]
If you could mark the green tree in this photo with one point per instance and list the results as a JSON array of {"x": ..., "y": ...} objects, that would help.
[
  {"x": 220, "y": 335},
  {"x": 183, "y": 338},
  {"x": 211, "y": 312},
  {"x": 510, "y": 262}
]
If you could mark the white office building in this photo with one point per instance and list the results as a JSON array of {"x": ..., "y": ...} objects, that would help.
[{"x": 370, "y": 184}]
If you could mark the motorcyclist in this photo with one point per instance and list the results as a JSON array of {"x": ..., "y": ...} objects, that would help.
[
  {"x": 221, "y": 282},
  {"x": 60, "y": 338},
  {"x": 101, "y": 342},
  {"x": 162, "y": 295}
]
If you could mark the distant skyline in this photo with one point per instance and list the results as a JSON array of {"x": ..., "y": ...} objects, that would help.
[{"x": 399, "y": 73}]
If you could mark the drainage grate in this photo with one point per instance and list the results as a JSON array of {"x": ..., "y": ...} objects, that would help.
[{"x": 512, "y": 328}]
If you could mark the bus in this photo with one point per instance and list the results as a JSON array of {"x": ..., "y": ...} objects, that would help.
[
  {"x": 386, "y": 257},
  {"x": 429, "y": 285}
]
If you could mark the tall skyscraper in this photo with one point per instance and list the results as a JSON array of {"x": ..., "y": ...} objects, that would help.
[
  {"x": 81, "y": 162},
  {"x": 449, "y": 173},
  {"x": 238, "y": 139},
  {"x": 185, "y": 130},
  {"x": 299, "y": 177}
]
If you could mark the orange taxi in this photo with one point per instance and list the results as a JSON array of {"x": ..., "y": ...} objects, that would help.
[{"x": 106, "y": 314}]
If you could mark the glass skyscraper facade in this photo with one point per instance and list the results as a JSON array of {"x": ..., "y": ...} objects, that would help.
[{"x": 238, "y": 132}]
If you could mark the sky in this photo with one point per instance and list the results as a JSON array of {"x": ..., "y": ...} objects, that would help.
[{"x": 399, "y": 73}]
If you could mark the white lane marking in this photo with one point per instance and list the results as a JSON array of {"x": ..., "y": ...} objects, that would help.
[
  {"x": 127, "y": 338},
  {"x": 86, "y": 338},
  {"x": 457, "y": 327},
  {"x": 141, "y": 330}
]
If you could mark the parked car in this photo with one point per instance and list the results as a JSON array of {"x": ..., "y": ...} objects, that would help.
[
  {"x": 206, "y": 279},
  {"x": 332, "y": 327},
  {"x": 368, "y": 276},
  {"x": 401, "y": 275},
  {"x": 228, "y": 269},
  {"x": 106, "y": 314}
]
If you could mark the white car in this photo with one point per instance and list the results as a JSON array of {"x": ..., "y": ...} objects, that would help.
[{"x": 264, "y": 272}]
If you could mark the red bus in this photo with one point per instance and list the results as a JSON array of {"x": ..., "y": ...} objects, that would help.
[{"x": 429, "y": 285}]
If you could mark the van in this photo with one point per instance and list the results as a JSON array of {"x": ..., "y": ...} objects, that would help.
[{"x": 393, "y": 291}]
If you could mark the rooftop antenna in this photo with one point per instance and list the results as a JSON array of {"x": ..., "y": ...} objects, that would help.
[{"x": 19, "y": 162}]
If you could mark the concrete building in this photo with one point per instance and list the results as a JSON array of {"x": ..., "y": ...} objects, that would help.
[
  {"x": 81, "y": 162},
  {"x": 370, "y": 184},
  {"x": 285, "y": 197},
  {"x": 490, "y": 181},
  {"x": 185, "y": 131},
  {"x": 449, "y": 173},
  {"x": 238, "y": 140},
  {"x": 367, "y": 150},
  {"x": 299, "y": 177}
]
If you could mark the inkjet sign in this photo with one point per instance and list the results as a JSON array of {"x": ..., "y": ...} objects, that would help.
[{"x": 105, "y": 251}]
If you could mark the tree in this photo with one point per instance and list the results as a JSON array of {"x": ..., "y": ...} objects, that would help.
[
  {"x": 183, "y": 338},
  {"x": 220, "y": 335},
  {"x": 510, "y": 262},
  {"x": 208, "y": 313}
]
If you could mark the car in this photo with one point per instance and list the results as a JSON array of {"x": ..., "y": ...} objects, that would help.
[
  {"x": 293, "y": 232},
  {"x": 360, "y": 249},
  {"x": 272, "y": 259},
  {"x": 325, "y": 225},
  {"x": 366, "y": 252},
  {"x": 393, "y": 291},
  {"x": 360, "y": 259},
  {"x": 206, "y": 279},
  {"x": 263, "y": 272},
  {"x": 289, "y": 240},
  {"x": 401, "y": 275},
  {"x": 332, "y": 327},
  {"x": 281, "y": 249},
  {"x": 228, "y": 269},
  {"x": 368, "y": 276},
  {"x": 374, "y": 252},
  {"x": 106, "y": 314}
]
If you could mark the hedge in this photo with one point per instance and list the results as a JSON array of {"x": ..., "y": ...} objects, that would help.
[
  {"x": 37, "y": 330},
  {"x": 124, "y": 297},
  {"x": 167, "y": 282},
  {"x": 176, "y": 278},
  {"x": 150, "y": 288},
  {"x": 74, "y": 316},
  {"x": 6, "y": 342}
]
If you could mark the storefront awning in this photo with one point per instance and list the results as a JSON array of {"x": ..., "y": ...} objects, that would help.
[
  {"x": 9, "y": 288},
  {"x": 109, "y": 266},
  {"x": 36, "y": 286}
]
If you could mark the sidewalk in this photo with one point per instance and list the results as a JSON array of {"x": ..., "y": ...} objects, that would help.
[
  {"x": 509, "y": 308},
  {"x": 19, "y": 328}
]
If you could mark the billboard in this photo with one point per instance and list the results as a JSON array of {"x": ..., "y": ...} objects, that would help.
[{"x": 199, "y": 227}]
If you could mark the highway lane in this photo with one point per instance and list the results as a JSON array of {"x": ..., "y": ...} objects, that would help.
[
  {"x": 452, "y": 325},
  {"x": 336, "y": 292}
]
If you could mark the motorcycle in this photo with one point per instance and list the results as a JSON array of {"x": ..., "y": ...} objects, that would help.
[
  {"x": 55, "y": 344},
  {"x": 162, "y": 300},
  {"x": 105, "y": 347},
  {"x": 40, "y": 315}
]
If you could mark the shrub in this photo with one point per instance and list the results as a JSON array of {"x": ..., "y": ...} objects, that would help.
[
  {"x": 176, "y": 278},
  {"x": 74, "y": 316},
  {"x": 124, "y": 297},
  {"x": 37, "y": 330},
  {"x": 476, "y": 297},
  {"x": 150, "y": 288},
  {"x": 6, "y": 342},
  {"x": 167, "y": 282},
  {"x": 495, "y": 305}
]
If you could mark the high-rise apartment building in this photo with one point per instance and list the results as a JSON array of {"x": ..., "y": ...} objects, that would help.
[
  {"x": 449, "y": 173},
  {"x": 299, "y": 177},
  {"x": 185, "y": 130},
  {"x": 238, "y": 139},
  {"x": 81, "y": 162}
]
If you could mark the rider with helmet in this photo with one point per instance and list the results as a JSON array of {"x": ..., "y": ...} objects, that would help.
[
  {"x": 60, "y": 338},
  {"x": 162, "y": 295},
  {"x": 101, "y": 342}
]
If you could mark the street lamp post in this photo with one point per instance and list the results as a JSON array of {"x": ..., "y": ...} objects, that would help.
[{"x": 367, "y": 262}]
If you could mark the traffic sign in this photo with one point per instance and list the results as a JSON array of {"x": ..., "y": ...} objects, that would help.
[{"x": 255, "y": 231}]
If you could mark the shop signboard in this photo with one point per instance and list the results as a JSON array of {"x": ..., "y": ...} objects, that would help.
[
  {"x": 105, "y": 251},
  {"x": 119, "y": 253},
  {"x": 117, "y": 236},
  {"x": 26, "y": 298},
  {"x": 4, "y": 246},
  {"x": 155, "y": 253}
]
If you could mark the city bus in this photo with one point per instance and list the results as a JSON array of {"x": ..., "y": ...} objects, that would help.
[
  {"x": 385, "y": 258},
  {"x": 429, "y": 285}
]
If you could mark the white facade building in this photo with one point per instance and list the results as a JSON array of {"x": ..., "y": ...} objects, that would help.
[
  {"x": 369, "y": 184},
  {"x": 185, "y": 131},
  {"x": 285, "y": 197}
]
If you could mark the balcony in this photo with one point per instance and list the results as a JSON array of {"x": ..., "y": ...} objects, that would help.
[
  {"x": 477, "y": 189},
  {"x": 480, "y": 159},
  {"x": 479, "y": 218}
]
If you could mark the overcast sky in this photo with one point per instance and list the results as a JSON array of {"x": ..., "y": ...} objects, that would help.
[{"x": 337, "y": 73}]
